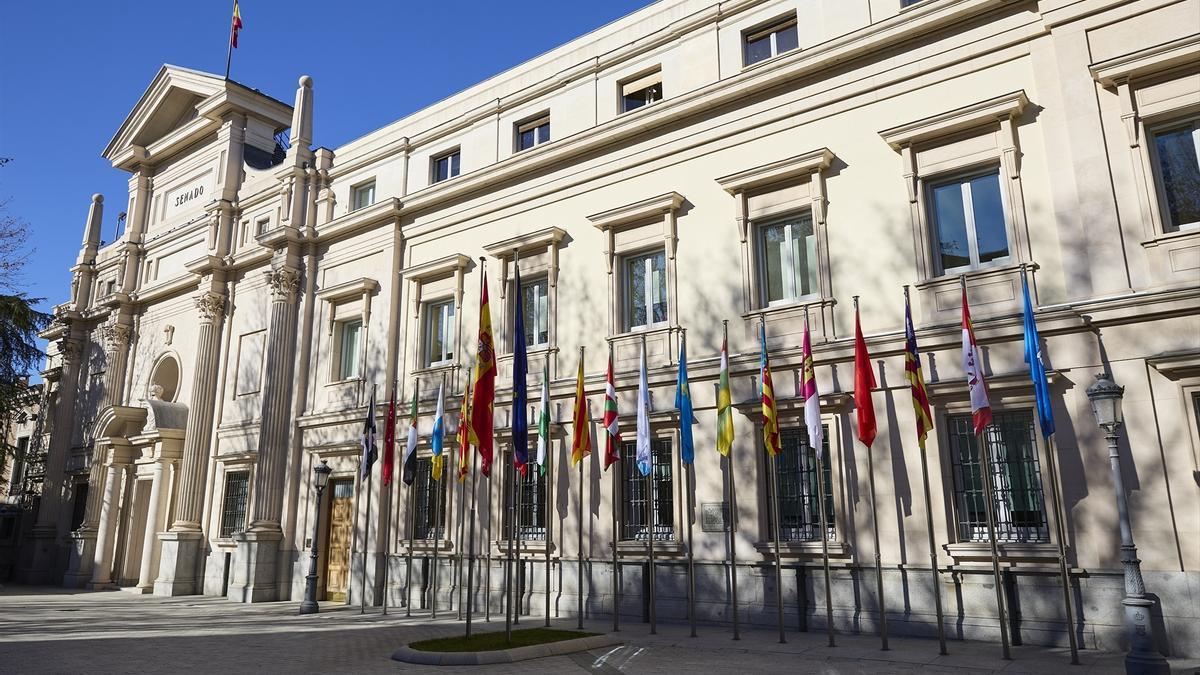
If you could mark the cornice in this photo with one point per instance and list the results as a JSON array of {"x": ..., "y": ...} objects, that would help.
[
  {"x": 380, "y": 211},
  {"x": 349, "y": 289},
  {"x": 974, "y": 115},
  {"x": 437, "y": 268},
  {"x": 522, "y": 242},
  {"x": 1149, "y": 61},
  {"x": 776, "y": 172},
  {"x": 640, "y": 210}
]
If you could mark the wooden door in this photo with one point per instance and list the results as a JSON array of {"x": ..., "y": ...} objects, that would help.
[{"x": 341, "y": 527}]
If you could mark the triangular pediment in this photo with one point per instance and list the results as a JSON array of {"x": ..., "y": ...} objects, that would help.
[{"x": 180, "y": 106}]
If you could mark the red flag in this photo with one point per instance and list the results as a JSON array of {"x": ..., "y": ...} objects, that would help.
[
  {"x": 981, "y": 408},
  {"x": 236, "y": 25},
  {"x": 485, "y": 385},
  {"x": 389, "y": 440},
  {"x": 864, "y": 382}
]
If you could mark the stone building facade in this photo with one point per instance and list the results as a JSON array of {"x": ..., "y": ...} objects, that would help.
[{"x": 689, "y": 164}]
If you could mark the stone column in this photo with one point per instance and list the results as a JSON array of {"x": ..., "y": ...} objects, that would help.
[
  {"x": 179, "y": 559},
  {"x": 256, "y": 561},
  {"x": 106, "y": 536},
  {"x": 145, "y": 580}
]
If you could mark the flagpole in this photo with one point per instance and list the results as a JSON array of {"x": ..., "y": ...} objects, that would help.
[
  {"x": 518, "y": 561},
  {"x": 616, "y": 563},
  {"x": 509, "y": 488},
  {"x": 986, "y": 459},
  {"x": 691, "y": 489},
  {"x": 650, "y": 520},
  {"x": 362, "y": 606},
  {"x": 387, "y": 539},
  {"x": 732, "y": 528},
  {"x": 774, "y": 501},
  {"x": 883, "y": 635},
  {"x": 547, "y": 476},
  {"x": 582, "y": 454},
  {"x": 487, "y": 577},
  {"x": 458, "y": 548},
  {"x": 471, "y": 550},
  {"x": 438, "y": 506},
  {"x": 824, "y": 546},
  {"x": 229, "y": 45},
  {"x": 412, "y": 525}
]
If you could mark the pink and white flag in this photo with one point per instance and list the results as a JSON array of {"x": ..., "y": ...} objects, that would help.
[{"x": 981, "y": 408}]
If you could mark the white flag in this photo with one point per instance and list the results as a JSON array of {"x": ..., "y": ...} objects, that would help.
[
  {"x": 643, "y": 420},
  {"x": 543, "y": 442}
]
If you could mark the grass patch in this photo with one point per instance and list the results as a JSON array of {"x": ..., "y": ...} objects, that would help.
[{"x": 488, "y": 642}]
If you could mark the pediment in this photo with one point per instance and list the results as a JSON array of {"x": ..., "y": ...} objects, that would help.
[{"x": 179, "y": 107}]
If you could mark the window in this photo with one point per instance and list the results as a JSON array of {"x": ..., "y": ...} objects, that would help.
[
  {"x": 362, "y": 196},
  {"x": 350, "y": 347},
  {"x": 17, "y": 476},
  {"x": 79, "y": 505},
  {"x": 772, "y": 40},
  {"x": 908, "y": 3},
  {"x": 1016, "y": 481},
  {"x": 445, "y": 166},
  {"x": 641, "y": 91},
  {"x": 439, "y": 332},
  {"x": 968, "y": 222},
  {"x": 533, "y": 132},
  {"x": 635, "y": 506},
  {"x": 531, "y": 504},
  {"x": 429, "y": 493},
  {"x": 799, "y": 510},
  {"x": 788, "y": 249},
  {"x": 1177, "y": 171},
  {"x": 260, "y": 226},
  {"x": 535, "y": 309},
  {"x": 233, "y": 511},
  {"x": 645, "y": 290}
]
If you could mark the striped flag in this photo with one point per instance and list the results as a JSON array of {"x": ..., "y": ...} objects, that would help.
[
  {"x": 683, "y": 402},
  {"x": 864, "y": 382},
  {"x": 612, "y": 434},
  {"x": 464, "y": 435},
  {"x": 543, "y": 441},
  {"x": 770, "y": 420},
  {"x": 485, "y": 385},
  {"x": 409, "y": 472},
  {"x": 981, "y": 408},
  {"x": 370, "y": 452},
  {"x": 812, "y": 399},
  {"x": 644, "y": 459},
  {"x": 916, "y": 380},
  {"x": 235, "y": 25},
  {"x": 389, "y": 440},
  {"x": 581, "y": 444},
  {"x": 724, "y": 405},
  {"x": 436, "y": 441}
]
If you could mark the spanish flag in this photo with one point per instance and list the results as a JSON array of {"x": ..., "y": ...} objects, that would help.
[
  {"x": 485, "y": 385},
  {"x": 236, "y": 25}
]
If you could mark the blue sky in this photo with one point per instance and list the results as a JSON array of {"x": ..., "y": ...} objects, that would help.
[{"x": 73, "y": 70}]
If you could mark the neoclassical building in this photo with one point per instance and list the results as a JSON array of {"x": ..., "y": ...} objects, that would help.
[{"x": 690, "y": 164}]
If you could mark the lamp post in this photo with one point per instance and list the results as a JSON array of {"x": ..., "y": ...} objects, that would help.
[
  {"x": 1105, "y": 395},
  {"x": 320, "y": 480}
]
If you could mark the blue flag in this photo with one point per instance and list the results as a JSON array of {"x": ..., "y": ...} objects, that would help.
[
  {"x": 520, "y": 421},
  {"x": 683, "y": 401},
  {"x": 1037, "y": 367}
]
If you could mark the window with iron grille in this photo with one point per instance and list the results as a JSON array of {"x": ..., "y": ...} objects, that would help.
[
  {"x": 799, "y": 506},
  {"x": 79, "y": 506},
  {"x": 531, "y": 505},
  {"x": 1016, "y": 478},
  {"x": 429, "y": 493},
  {"x": 635, "y": 504},
  {"x": 233, "y": 511}
]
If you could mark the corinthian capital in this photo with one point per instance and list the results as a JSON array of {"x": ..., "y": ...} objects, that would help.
[
  {"x": 284, "y": 283},
  {"x": 115, "y": 335},
  {"x": 69, "y": 350},
  {"x": 211, "y": 306}
]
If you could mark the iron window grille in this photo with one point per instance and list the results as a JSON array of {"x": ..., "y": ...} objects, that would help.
[
  {"x": 237, "y": 494},
  {"x": 799, "y": 509},
  {"x": 429, "y": 492},
  {"x": 1016, "y": 479},
  {"x": 531, "y": 505},
  {"x": 635, "y": 505},
  {"x": 79, "y": 506}
]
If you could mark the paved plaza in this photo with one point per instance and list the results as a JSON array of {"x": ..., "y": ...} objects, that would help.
[{"x": 45, "y": 630}]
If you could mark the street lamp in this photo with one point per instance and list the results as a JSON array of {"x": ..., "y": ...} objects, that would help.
[
  {"x": 320, "y": 480},
  {"x": 1105, "y": 396}
]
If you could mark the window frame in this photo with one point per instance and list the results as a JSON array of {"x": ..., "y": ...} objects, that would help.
[
  {"x": 770, "y": 29},
  {"x": 340, "y": 373},
  {"x": 367, "y": 186},
  {"x": 623, "y": 96},
  {"x": 531, "y": 124},
  {"x": 633, "y": 484},
  {"x": 453, "y": 166},
  {"x": 1168, "y": 226},
  {"x": 228, "y": 529},
  {"x": 648, "y": 254},
  {"x": 963, "y": 178},
  {"x": 800, "y": 434},
  {"x": 425, "y": 501},
  {"x": 448, "y": 317},
  {"x": 542, "y": 281},
  {"x": 795, "y": 297}
]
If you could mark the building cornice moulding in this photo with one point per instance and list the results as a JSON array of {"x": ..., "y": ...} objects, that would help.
[
  {"x": 1149, "y": 61},
  {"x": 1006, "y": 106},
  {"x": 350, "y": 289},
  {"x": 777, "y": 172},
  {"x": 523, "y": 242},
  {"x": 361, "y": 219},
  {"x": 645, "y": 209},
  {"x": 436, "y": 269}
]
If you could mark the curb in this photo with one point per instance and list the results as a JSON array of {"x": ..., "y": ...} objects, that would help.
[{"x": 407, "y": 655}]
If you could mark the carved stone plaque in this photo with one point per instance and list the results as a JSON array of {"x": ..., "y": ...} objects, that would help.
[{"x": 714, "y": 517}]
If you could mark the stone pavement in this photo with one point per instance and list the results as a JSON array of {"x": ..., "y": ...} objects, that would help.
[{"x": 49, "y": 630}]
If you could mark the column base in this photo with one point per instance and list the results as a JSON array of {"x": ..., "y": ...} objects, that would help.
[
  {"x": 44, "y": 542},
  {"x": 82, "y": 555},
  {"x": 255, "y": 567},
  {"x": 179, "y": 559}
]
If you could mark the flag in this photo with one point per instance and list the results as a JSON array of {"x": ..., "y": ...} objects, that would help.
[
  {"x": 236, "y": 25},
  {"x": 485, "y": 385},
  {"x": 724, "y": 405},
  {"x": 644, "y": 459},
  {"x": 464, "y": 435},
  {"x": 612, "y": 434},
  {"x": 520, "y": 396},
  {"x": 981, "y": 409},
  {"x": 1037, "y": 367},
  {"x": 770, "y": 421},
  {"x": 581, "y": 443},
  {"x": 683, "y": 402},
  {"x": 409, "y": 472},
  {"x": 368, "y": 438},
  {"x": 864, "y": 382},
  {"x": 543, "y": 442},
  {"x": 439, "y": 432},
  {"x": 389, "y": 440},
  {"x": 916, "y": 381},
  {"x": 812, "y": 399}
]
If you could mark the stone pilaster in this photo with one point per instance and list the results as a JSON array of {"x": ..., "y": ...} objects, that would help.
[
  {"x": 256, "y": 562},
  {"x": 179, "y": 558}
]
